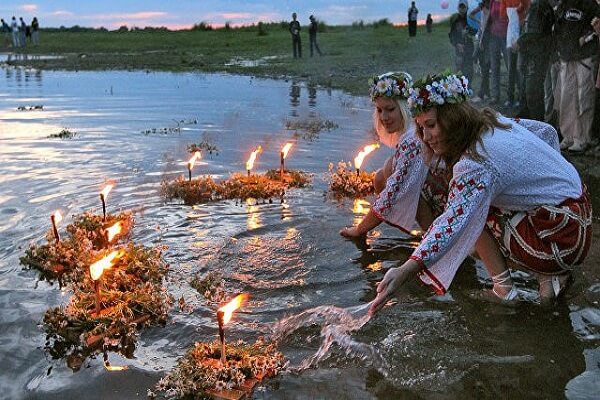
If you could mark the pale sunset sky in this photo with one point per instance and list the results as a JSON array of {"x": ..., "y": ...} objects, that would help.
[{"x": 182, "y": 14}]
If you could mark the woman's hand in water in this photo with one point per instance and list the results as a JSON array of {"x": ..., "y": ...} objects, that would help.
[
  {"x": 351, "y": 232},
  {"x": 391, "y": 282}
]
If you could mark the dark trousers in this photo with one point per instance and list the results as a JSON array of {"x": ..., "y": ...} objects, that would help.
[
  {"x": 464, "y": 60},
  {"x": 297, "y": 46},
  {"x": 515, "y": 78},
  {"x": 497, "y": 51},
  {"x": 534, "y": 73},
  {"x": 312, "y": 39},
  {"x": 412, "y": 28}
]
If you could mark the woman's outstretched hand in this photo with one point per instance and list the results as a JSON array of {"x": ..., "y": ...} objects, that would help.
[
  {"x": 391, "y": 282},
  {"x": 350, "y": 232}
]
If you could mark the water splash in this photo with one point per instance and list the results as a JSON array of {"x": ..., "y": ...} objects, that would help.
[{"x": 336, "y": 325}]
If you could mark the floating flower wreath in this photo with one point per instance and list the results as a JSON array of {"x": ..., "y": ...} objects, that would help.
[
  {"x": 390, "y": 84},
  {"x": 437, "y": 90}
]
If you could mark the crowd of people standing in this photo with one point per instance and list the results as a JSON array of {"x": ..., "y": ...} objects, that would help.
[
  {"x": 18, "y": 32},
  {"x": 550, "y": 50}
]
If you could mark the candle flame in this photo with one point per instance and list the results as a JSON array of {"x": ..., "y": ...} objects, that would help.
[
  {"x": 115, "y": 367},
  {"x": 250, "y": 162},
  {"x": 233, "y": 305},
  {"x": 97, "y": 268},
  {"x": 192, "y": 160},
  {"x": 114, "y": 230},
  {"x": 57, "y": 217},
  {"x": 286, "y": 149},
  {"x": 358, "y": 160},
  {"x": 104, "y": 193}
]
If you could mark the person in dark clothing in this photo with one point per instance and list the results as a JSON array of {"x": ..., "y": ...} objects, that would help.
[
  {"x": 535, "y": 44},
  {"x": 312, "y": 35},
  {"x": 412, "y": 19},
  {"x": 577, "y": 50},
  {"x": 35, "y": 31},
  {"x": 295, "y": 31},
  {"x": 429, "y": 23},
  {"x": 461, "y": 37}
]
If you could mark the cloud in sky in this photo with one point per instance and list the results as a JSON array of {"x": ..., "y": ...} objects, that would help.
[
  {"x": 29, "y": 7},
  {"x": 62, "y": 13}
]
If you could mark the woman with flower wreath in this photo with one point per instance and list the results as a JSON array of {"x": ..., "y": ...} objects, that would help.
[
  {"x": 507, "y": 202},
  {"x": 407, "y": 188}
]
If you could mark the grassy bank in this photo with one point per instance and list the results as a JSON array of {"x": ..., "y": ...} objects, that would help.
[{"x": 351, "y": 54}]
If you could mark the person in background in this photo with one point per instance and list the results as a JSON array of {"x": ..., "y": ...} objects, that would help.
[
  {"x": 15, "y": 33},
  {"x": 312, "y": 35},
  {"x": 429, "y": 23},
  {"x": 35, "y": 31},
  {"x": 517, "y": 10},
  {"x": 535, "y": 46},
  {"x": 481, "y": 53},
  {"x": 23, "y": 33},
  {"x": 596, "y": 126},
  {"x": 577, "y": 48},
  {"x": 412, "y": 19},
  {"x": 512, "y": 197},
  {"x": 461, "y": 37},
  {"x": 295, "y": 31},
  {"x": 6, "y": 32},
  {"x": 497, "y": 25}
]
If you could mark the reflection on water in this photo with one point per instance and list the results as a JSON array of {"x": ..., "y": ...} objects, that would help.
[{"x": 302, "y": 277}]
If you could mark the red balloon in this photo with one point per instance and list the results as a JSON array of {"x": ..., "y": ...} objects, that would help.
[{"x": 444, "y": 4}]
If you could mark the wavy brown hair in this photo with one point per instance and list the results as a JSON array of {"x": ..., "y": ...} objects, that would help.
[{"x": 462, "y": 126}]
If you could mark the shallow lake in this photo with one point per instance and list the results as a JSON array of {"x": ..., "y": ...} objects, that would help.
[{"x": 289, "y": 257}]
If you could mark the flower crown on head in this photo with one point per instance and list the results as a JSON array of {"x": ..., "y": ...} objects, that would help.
[
  {"x": 390, "y": 84},
  {"x": 437, "y": 90}
]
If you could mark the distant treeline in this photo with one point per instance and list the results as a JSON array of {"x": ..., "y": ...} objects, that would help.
[{"x": 261, "y": 27}]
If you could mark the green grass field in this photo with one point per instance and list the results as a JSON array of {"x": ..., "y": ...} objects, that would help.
[{"x": 351, "y": 55}]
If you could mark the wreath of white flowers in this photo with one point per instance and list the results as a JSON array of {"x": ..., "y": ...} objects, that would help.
[
  {"x": 390, "y": 84},
  {"x": 438, "y": 90}
]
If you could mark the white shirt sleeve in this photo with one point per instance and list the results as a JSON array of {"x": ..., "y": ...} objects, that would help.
[
  {"x": 397, "y": 203},
  {"x": 452, "y": 236}
]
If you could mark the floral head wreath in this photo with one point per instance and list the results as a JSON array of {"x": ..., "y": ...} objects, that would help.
[
  {"x": 390, "y": 84},
  {"x": 437, "y": 90}
]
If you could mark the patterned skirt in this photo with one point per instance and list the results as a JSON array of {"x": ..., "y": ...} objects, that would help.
[
  {"x": 549, "y": 239},
  {"x": 435, "y": 190}
]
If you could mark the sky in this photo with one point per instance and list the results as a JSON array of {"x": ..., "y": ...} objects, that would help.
[{"x": 182, "y": 14}]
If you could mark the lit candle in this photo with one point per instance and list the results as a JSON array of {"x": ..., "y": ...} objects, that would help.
[
  {"x": 191, "y": 163},
  {"x": 114, "y": 231},
  {"x": 224, "y": 316},
  {"x": 103, "y": 195},
  {"x": 358, "y": 160},
  {"x": 56, "y": 218},
  {"x": 250, "y": 162},
  {"x": 96, "y": 270},
  {"x": 284, "y": 153}
]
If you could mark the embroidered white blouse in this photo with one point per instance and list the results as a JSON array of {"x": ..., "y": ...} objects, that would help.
[
  {"x": 397, "y": 203},
  {"x": 519, "y": 172}
]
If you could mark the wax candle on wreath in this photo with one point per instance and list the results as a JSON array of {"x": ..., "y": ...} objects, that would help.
[
  {"x": 114, "y": 230},
  {"x": 197, "y": 155},
  {"x": 103, "y": 195},
  {"x": 97, "y": 269},
  {"x": 224, "y": 316},
  {"x": 56, "y": 218},
  {"x": 252, "y": 159},
  {"x": 358, "y": 160},
  {"x": 283, "y": 155}
]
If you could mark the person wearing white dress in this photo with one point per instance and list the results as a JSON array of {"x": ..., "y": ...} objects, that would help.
[{"x": 512, "y": 197}]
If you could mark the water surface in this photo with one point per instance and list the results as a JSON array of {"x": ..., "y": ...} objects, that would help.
[{"x": 288, "y": 257}]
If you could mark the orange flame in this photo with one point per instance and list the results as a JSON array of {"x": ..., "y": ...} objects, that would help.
[
  {"x": 192, "y": 160},
  {"x": 358, "y": 160},
  {"x": 250, "y": 162},
  {"x": 104, "y": 193},
  {"x": 286, "y": 148},
  {"x": 115, "y": 367},
  {"x": 57, "y": 217},
  {"x": 233, "y": 305},
  {"x": 97, "y": 268},
  {"x": 114, "y": 230}
]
